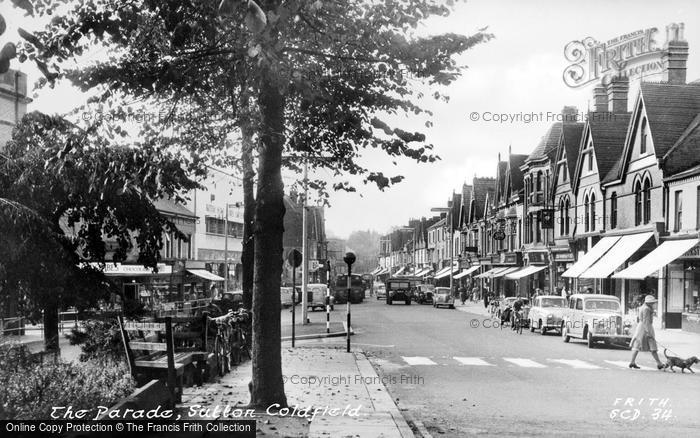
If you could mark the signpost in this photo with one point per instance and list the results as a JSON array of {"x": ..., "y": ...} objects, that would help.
[
  {"x": 328, "y": 297},
  {"x": 294, "y": 258},
  {"x": 349, "y": 259}
]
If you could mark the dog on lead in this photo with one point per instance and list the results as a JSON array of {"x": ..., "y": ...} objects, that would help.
[{"x": 672, "y": 361}]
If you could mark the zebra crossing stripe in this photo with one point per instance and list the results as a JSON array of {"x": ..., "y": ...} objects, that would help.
[
  {"x": 625, "y": 364},
  {"x": 525, "y": 363},
  {"x": 417, "y": 360},
  {"x": 575, "y": 363},
  {"x": 473, "y": 361}
]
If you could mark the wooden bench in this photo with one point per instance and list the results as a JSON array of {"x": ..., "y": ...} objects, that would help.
[
  {"x": 150, "y": 351},
  {"x": 193, "y": 341}
]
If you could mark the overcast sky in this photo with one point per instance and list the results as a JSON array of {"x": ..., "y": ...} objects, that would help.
[{"x": 520, "y": 71}]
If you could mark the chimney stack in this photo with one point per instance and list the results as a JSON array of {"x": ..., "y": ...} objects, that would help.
[
  {"x": 676, "y": 54},
  {"x": 617, "y": 94},
  {"x": 569, "y": 114},
  {"x": 600, "y": 99}
]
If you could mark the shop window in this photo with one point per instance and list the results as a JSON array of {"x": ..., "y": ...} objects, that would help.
[
  {"x": 613, "y": 210},
  {"x": 678, "y": 211}
]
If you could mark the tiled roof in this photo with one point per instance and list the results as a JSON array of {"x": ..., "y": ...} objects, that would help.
[
  {"x": 169, "y": 206},
  {"x": 670, "y": 109},
  {"x": 516, "y": 175},
  {"x": 608, "y": 134},
  {"x": 685, "y": 153},
  {"x": 547, "y": 147},
  {"x": 482, "y": 186},
  {"x": 464, "y": 204},
  {"x": 571, "y": 138}
]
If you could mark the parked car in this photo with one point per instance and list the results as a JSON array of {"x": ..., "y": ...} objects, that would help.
[
  {"x": 398, "y": 290},
  {"x": 596, "y": 318},
  {"x": 286, "y": 296},
  {"x": 317, "y": 296},
  {"x": 380, "y": 292},
  {"x": 443, "y": 297},
  {"x": 425, "y": 294},
  {"x": 547, "y": 313}
]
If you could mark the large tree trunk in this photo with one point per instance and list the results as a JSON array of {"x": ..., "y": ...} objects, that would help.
[
  {"x": 248, "y": 250},
  {"x": 50, "y": 321},
  {"x": 267, "y": 388}
]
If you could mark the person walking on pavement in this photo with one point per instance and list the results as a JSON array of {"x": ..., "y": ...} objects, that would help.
[
  {"x": 644, "y": 338},
  {"x": 462, "y": 295}
]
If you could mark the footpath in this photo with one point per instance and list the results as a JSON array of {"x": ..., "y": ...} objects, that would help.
[
  {"x": 679, "y": 343},
  {"x": 344, "y": 389}
]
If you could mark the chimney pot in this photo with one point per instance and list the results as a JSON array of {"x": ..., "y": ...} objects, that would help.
[
  {"x": 600, "y": 99},
  {"x": 675, "y": 57}
]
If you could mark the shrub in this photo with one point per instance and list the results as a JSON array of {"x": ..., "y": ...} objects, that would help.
[
  {"x": 98, "y": 339},
  {"x": 31, "y": 390}
]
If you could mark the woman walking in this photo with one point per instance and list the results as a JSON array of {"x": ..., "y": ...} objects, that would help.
[{"x": 644, "y": 338}]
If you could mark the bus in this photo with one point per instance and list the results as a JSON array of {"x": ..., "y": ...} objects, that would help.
[{"x": 357, "y": 289}]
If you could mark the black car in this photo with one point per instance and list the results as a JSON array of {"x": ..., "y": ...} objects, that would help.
[{"x": 398, "y": 290}]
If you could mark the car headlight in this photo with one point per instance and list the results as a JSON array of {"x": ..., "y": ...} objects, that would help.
[{"x": 550, "y": 316}]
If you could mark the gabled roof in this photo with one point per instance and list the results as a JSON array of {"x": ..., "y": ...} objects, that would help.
[
  {"x": 685, "y": 153},
  {"x": 515, "y": 174},
  {"x": 464, "y": 205},
  {"x": 501, "y": 170},
  {"x": 547, "y": 147},
  {"x": 168, "y": 206},
  {"x": 481, "y": 188},
  {"x": 670, "y": 108}
]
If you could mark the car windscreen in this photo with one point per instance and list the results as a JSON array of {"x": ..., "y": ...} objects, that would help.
[
  {"x": 393, "y": 285},
  {"x": 602, "y": 305},
  {"x": 553, "y": 302}
]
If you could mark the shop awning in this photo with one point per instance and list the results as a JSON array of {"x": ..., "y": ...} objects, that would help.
[
  {"x": 617, "y": 255},
  {"x": 490, "y": 273},
  {"x": 383, "y": 271},
  {"x": 376, "y": 271},
  {"x": 400, "y": 271},
  {"x": 202, "y": 273},
  {"x": 445, "y": 272},
  {"x": 667, "y": 252},
  {"x": 505, "y": 271},
  {"x": 524, "y": 272},
  {"x": 466, "y": 272},
  {"x": 592, "y": 256}
]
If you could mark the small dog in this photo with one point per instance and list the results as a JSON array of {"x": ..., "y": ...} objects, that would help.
[{"x": 673, "y": 361}]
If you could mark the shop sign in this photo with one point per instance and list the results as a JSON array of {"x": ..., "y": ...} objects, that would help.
[
  {"x": 538, "y": 257},
  {"x": 563, "y": 256},
  {"x": 506, "y": 258},
  {"x": 692, "y": 252},
  {"x": 120, "y": 269},
  {"x": 499, "y": 235}
]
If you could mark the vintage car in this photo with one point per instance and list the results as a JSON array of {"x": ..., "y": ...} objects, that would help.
[
  {"x": 546, "y": 313},
  {"x": 380, "y": 292},
  {"x": 595, "y": 318},
  {"x": 286, "y": 296},
  {"x": 398, "y": 290},
  {"x": 443, "y": 297},
  {"x": 425, "y": 294},
  {"x": 317, "y": 296}
]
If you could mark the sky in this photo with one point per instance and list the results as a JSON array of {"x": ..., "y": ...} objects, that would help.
[{"x": 518, "y": 72}]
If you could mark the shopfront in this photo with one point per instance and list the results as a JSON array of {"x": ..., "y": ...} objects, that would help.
[
  {"x": 563, "y": 260},
  {"x": 503, "y": 264}
]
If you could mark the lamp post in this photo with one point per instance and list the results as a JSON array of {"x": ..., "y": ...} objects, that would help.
[
  {"x": 448, "y": 219},
  {"x": 349, "y": 259},
  {"x": 294, "y": 258}
]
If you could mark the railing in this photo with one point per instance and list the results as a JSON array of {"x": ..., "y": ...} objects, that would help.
[{"x": 182, "y": 308}]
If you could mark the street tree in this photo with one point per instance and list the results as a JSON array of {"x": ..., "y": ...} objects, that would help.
[
  {"x": 322, "y": 80},
  {"x": 64, "y": 192}
]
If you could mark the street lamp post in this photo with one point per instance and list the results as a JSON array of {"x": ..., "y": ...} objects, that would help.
[{"x": 349, "y": 259}]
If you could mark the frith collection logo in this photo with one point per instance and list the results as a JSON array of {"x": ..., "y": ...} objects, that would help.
[{"x": 633, "y": 55}]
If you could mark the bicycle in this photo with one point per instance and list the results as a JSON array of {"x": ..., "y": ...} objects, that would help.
[
  {"x": 518, "y": 321},
  {"x": 239, "y": 340},
  {"x": 222, "y": 343}
]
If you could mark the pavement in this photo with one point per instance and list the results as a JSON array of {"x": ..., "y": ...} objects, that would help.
[
  {"x": 679, "y": 343},
  {"x": 342, "y": 387}
]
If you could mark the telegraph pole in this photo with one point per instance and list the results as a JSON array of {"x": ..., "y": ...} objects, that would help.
[{"x": 226, "y": 250}]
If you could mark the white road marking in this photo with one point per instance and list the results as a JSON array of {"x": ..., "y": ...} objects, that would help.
[
  {"x": 417, "y": 360},
  {"x": 525, "y": 363},
  {"x": 625, "y": 364},
  {"x": 473, "y": 361},
  {"x": 575, "y": 363}
]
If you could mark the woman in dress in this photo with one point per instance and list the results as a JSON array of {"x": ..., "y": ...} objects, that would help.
[{"x": 644, "y": 338}]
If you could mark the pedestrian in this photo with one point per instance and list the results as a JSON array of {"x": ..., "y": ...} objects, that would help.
[
  {"x": 486, "y": 301},
  {"x": 644, "y": 338},
  {"x": 462, "y": 295}
]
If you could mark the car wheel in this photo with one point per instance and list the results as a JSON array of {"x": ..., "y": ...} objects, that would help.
[
  {"x": 591, "y": 340},
  {"x": 543, "y": 329},
  {"x": 565, "y": 333},
  {"x": 452, "y": 306},
  {"x": 532, "y": 326},
  {"x": 332, "y": 308},
  {"x": 408, "y": 302},
  {"x": 388, "y": 302}
]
